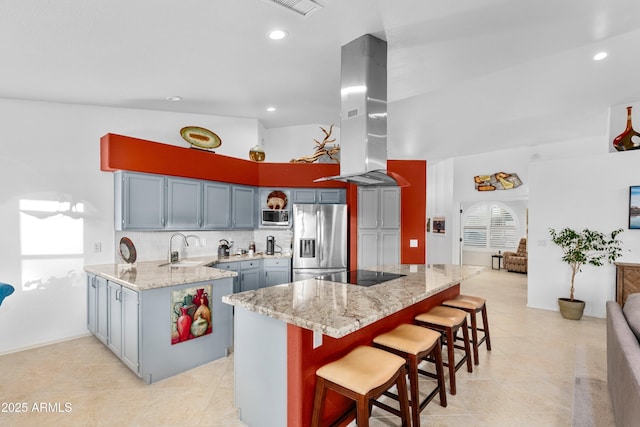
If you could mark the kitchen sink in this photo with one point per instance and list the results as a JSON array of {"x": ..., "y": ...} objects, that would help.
[{"x": 181, "y": 264}]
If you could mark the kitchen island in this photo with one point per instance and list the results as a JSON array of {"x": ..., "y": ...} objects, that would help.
[{"x": 284, "y": 333}]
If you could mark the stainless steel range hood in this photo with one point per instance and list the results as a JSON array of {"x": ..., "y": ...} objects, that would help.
[{"x": 363, "y": 123}]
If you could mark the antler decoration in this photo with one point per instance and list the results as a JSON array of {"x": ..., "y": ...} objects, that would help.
[{"x": 321, "y": 149}]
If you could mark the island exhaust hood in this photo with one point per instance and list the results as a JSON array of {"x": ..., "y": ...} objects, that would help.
[{"x": 363, "y": 118}]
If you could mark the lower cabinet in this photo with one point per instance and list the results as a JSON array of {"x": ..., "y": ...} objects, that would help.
[
  {"x": 97, "y": 307},
  {"x": 277, "y": 271},
  {"x": 124, "y": 318},
  {"x": 249, "y": 274},
  {"x": 258, "y": 273}
]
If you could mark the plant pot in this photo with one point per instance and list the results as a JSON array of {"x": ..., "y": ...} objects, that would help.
[{"x": 571, "y": 310}]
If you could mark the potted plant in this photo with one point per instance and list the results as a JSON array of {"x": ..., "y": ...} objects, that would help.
[{"x": 581, "y": 248}]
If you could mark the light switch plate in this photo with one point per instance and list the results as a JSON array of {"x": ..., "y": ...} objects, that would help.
[{"x": 413, "y": 243}]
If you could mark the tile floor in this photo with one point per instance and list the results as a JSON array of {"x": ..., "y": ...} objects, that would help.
[{"x": 526, "y": 380}]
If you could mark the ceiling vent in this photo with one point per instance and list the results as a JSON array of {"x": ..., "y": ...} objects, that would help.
[{"x": 301, "y": 7}]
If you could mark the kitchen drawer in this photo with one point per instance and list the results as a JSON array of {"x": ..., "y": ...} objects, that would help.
[
  {"x": 231, "y": 266},
  {"x": 249, "y": 264},
  {"x": 276, "y": 262}
]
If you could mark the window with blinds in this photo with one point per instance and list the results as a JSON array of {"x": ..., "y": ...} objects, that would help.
[{"x": 489, "y": 226}]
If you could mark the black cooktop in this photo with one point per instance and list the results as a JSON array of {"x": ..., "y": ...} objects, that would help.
[{"x": 360, "y": 277}]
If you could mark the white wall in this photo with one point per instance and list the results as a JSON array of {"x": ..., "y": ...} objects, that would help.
[
  {"x": 284, "y": 144},
  {"x": 593, "y": 192},
  {"x": 50, "y": 152},
  {"x": 440, "y": 203}
]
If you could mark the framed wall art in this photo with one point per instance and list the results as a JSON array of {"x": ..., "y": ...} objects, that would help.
[
  {"x": 439, "y": 225},
  {"x": 634, "y": 207}
]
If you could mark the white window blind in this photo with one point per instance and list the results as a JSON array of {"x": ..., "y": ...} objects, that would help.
[{"x": 489, "y": 226}]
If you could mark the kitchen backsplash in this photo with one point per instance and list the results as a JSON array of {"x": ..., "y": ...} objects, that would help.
[{"x": 152, "y": 246}]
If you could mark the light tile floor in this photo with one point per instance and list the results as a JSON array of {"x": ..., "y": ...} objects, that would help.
[{"x": 526, "y": 380}]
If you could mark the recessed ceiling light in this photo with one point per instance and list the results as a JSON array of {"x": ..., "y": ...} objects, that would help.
[
  {"x": 271, "y": 109},
  {"x": 277, "y": 34},
  {"x": 599, "y": 56},
  {"x": 174, "y": 98}
]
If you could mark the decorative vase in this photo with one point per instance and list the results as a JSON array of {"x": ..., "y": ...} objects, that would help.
[
  {"x": 201, "y": 294},
  {"x": 257, "y": 154},
  {"x": 199, "y": 327},
  {"x": 183, "y": 324},
  {"x": 629, "y": 139},
  {"x": 571, "y": 310},
  {"x": 203, "y": 312}
]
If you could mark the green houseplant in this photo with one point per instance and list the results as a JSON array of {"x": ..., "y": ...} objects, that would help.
[{"x": 586, "y": 247}]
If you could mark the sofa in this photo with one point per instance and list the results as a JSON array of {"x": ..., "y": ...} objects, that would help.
[
  {"x": 517, "y": 261},
  {"x": 623, "y": 360}
]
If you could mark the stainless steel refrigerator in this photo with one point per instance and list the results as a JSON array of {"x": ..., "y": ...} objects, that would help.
[{"x": 319, "y": 240}]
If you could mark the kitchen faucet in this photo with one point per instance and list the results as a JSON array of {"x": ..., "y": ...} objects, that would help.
[{"x": 174, "y": 256}]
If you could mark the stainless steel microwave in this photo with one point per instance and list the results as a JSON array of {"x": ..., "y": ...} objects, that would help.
[{"x": 275, "y": 217}]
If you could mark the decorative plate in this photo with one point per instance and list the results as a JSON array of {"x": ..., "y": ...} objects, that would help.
[
  {"x": 200, "y": 137},
  {"x": 127, "y": 250}
]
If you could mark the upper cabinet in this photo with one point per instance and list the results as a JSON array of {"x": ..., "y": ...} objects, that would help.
[
  {"x": 184, "y": 204},
  {"x": 319, "y": 195},
  {"x": 140, "y": 201},
  {"x": 156, "y": 202},
  {"x": 243, "y": 207},
  {"x": 217, "y": 205}
]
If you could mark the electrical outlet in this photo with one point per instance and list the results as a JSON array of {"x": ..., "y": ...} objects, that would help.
[{"x": 97, "y": 248}]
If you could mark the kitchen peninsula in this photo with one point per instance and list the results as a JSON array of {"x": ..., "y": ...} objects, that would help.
[
  {"x": 134, "y": 309},
  {"x": 284, "y": 333}
]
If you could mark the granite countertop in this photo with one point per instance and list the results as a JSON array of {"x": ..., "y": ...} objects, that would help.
[
  {"x": 337, "y": 309},
  {"x": 146, "y": 275}
]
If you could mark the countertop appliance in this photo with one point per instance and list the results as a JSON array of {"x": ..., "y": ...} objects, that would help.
[
  {"x": 361, "y": 277},
  {"x": 319, "y": 240},
  {"x": 224, "y": 248},
  {"x": 271, "y": 245}
]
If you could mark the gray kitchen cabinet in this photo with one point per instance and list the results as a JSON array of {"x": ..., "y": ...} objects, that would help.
[
  {"x": 243, "y": 207},
  {"x": 97, "y": 302},
  {"x": 367, "y": 248},
  {"x": 231, "y": 266},
  {"x": 318, "y": 195},
  {"x": 130, "y": 329},
  {"x": 217, "y": 205},
  {"x": 304, "y": 195},
  {"x": 331, "y": 195},
  {"x": 378, "y": 226},
  {"x": 249, "y": 274},
  {"x": 184, "y": 204},
  {"x": 276, "y": 271},
  {"x": 123, "y": 315},
  {"x": 140, "y": 201}
]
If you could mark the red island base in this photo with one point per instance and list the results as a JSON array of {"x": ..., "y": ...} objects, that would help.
[{"x": 303, "y": 360}]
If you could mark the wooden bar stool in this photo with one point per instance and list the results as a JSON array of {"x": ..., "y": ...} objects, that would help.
[
  {"x": 416, "y": 344},
  {"x": 363, "y": 375},
  {"x": 473, "y": 305},
  {"x": 448, "y": 321}
]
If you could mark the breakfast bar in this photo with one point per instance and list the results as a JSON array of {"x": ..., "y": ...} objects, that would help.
[{"x": 282, "y": 334}]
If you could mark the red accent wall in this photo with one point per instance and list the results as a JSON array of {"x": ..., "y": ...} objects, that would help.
[{"x": 413, "y": 212}]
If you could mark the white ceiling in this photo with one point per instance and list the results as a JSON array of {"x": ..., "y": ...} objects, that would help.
[{"x": 464, "y": 76}]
